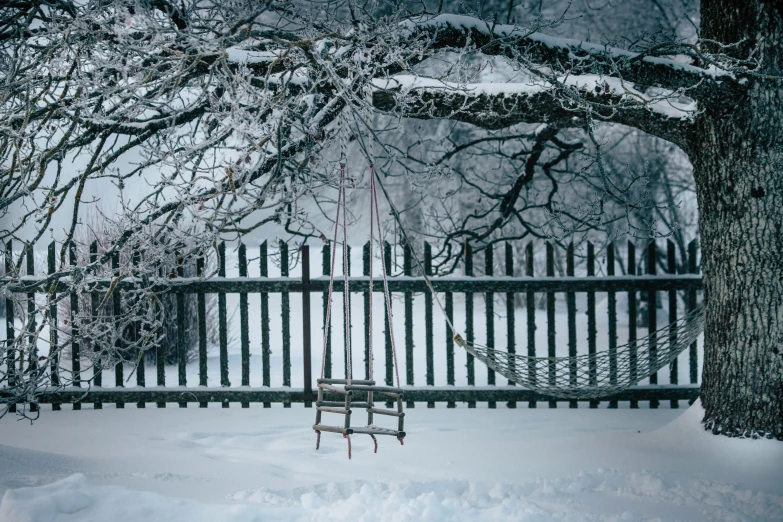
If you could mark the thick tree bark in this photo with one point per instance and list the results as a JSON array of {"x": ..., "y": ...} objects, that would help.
[{"x": 737, "y": 154}]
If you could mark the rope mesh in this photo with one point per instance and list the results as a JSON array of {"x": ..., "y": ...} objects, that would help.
[{"x": 595, "y": 375}]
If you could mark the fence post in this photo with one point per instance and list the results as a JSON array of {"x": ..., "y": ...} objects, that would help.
[
  {"x": 489, "y": 300},
  {"x": 652, "y": 314},
  {"x": 75, "y": 334},
  {"x": 550, "y": 321},
  {"x": 632, "y": 321},
  {"x": 469, "y": 333},
  {"x": 510, "y": 324},
  {"x": 612, "y": 312},
  {"x": 591, "y": 325},
  {"x": 9, "y": 325},
  {"x": 202, "y": 330},
  {"x": 265, "y": 349},
  {"x": 571, "y": 307},
  {"x": 530, "y": 305},
  {"x": 308, "y": 377},
  {"x": 244, "y": 327},
  {"x": 54, "y": 355}
]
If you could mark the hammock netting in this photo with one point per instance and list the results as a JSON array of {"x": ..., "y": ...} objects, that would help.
[{"x": 599, "y": 374}]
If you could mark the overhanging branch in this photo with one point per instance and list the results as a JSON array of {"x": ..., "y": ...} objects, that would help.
[
  {"x": 564, "y": 55},
  {"x": 498, "y": 106}
]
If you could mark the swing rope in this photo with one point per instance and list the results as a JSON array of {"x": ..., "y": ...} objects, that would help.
[
  {"x": 340, "y": 193},
  {"x": 578, "y": 377},
  {"x": 375, "y": 226},
  {"x": 386, "y": 294}
]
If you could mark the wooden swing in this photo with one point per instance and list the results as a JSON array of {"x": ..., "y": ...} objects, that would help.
[{"x": 359, "y": 394}]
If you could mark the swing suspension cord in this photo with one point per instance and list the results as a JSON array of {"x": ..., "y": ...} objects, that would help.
[
  {"x": 340, "y": 193},
  {"x": 375, "y": 226},
  {"x": 386, "y": 294}
]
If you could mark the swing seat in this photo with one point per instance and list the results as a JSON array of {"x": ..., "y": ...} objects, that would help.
[
  {"x": 348, "y": 388},
  {"x": 365, "y": 389}
]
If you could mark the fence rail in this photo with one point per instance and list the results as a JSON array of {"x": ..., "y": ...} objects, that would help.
[{"x": 637, "y": 286}]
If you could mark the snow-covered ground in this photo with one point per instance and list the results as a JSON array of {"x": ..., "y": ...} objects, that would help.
[{"x": 258, "y": 464}]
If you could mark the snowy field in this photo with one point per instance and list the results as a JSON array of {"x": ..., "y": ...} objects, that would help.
[{"x": 218, "y": 465}]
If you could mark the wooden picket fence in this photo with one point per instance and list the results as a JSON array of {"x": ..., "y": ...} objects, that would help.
[{"x": 649, "y": 284}]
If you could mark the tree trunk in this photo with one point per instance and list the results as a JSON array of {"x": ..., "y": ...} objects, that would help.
[{"x": 737, "y": 153}]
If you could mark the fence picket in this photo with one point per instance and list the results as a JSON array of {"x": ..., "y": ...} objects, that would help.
[
  {"x": 307, "y": 373},
  {"x": 182, "y": 348},
  {"x": 265, "y": 348},
  {"x": 141, "y": 377},
  {"x": 160, "y": 362},
  {"x": 632, "y": 361},
  {"x": 286, "y": 316},
  {"x": 672, "y": 269},
  {"x": 10, "y": 334},
  {"x": 489, "y": 300},
  {"x": 450, "y": 345},
  {"x": 571, "y": 307},
  {"x": 350, "y": 320},
  {"x": 428, "y": 334},
  {"x": 244, "y": 326},
  {"x": 366, "y": 252},
  {"x": 530, "y": 305},
  {"x": 469, "y": 333},
  {"x": 54, "y": 353},
  {"x": 326, "y": 258},
  {"x": 510, "y": 340},
  {"x": 32, "y": 364},
  {"x": 407, "y": 269},
  {"x": 97, "y": 368},
  {"x": 550, "y": 319},
  {"x": 222, "y": 322},
  {"x": 116, "y": 310},
  {"x": 76, "y": 374},
  {"x": 591, "y": 325},
  {"x": 386, "y": 325},
  {"x": 202, "y": 330},
  {"x": 693, "y": 354},
  {"x": 652, "y": 314},
  {"x": 612, "y": 313}
]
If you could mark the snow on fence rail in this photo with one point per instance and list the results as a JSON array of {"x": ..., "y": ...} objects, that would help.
[{"x": 645, "y": 286}]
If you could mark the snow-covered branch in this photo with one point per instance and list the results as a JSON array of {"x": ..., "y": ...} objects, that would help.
[
  {"x": 564, "y": 102},
  {"x": 669, "y": 67}
]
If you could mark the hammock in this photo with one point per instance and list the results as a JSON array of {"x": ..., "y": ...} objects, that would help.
[
  {"x": 582, "y": 376},
  {"x": 594, "y": 375}
]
